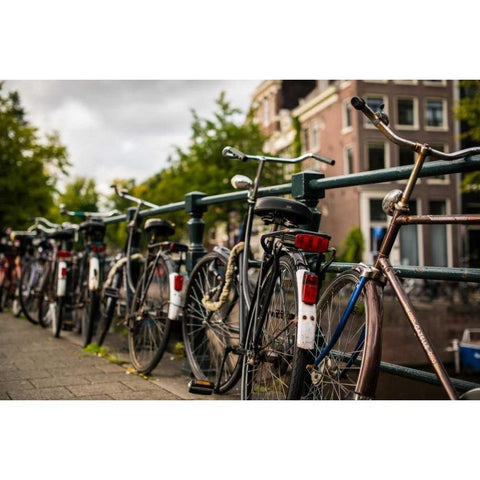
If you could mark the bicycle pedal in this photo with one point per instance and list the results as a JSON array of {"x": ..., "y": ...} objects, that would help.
[
  {"x": 201, "y": 387},
  {"x": 111, "y": 292}
]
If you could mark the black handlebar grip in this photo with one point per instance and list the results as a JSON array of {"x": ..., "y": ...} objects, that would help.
[
  {"x": 358, "y": 103},
  {"x": 233, "y": 152}
]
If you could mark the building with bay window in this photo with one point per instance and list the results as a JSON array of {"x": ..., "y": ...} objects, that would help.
[{"x": 419, "y": 110}]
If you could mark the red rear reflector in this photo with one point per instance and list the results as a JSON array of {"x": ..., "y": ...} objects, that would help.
[
  {"x": 178, "y": 283},
  {"x": 310, "y": 288},
  {"x": 98, "y": 248},
  {"x": 64, "y": 254},
  {"x": 64, "y": 272},
  {"x": 311, "y": 243}
]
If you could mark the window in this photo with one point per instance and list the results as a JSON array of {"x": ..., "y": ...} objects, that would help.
[
  {"x": 306, "y": 139},
  {"x": 378, "y": 226},
  {"x": 406, "y": 156},
  {"x": 347, "y": 115},
  {"x": 409, "y": 240},
  {"x": 406, "y": 112},
  {"x": 435, "y": 83},
  {"x": 438, "y": 235},
  {"x": 314, "y": 135},
  {"x": 376, "y": 156},
  {"x": 434, "y": 116},
  {"x": 348, "y": 164}
]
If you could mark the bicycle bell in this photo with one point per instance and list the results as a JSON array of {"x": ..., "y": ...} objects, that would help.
[{"x": 389, "y": 201}]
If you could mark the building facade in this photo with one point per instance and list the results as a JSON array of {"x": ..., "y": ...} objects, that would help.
[{"x": 419, "y": 110}]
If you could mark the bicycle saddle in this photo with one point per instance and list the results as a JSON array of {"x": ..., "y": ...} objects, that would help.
[
  {"x": 159, "y": 227},
  {"x": 273, "y": 209},
  {"x": 62, "y": 234}
]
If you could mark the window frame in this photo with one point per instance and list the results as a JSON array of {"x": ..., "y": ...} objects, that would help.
[
  {"x": 416, "y": 122},
  {"x": 386, "y": 149},
  {"x": 430, "y": 128}
]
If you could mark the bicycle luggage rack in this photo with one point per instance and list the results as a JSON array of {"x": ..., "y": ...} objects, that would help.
[{"x": 309, "y": 187}]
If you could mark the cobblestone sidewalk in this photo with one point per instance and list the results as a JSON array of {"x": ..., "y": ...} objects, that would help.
[{"x": 36, "y": 366}]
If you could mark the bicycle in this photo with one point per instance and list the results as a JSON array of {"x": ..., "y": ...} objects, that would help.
[
  {"x": 234, "y": 329},
  {"x": 56, "y": 282},
  {"x": 88, "y": 271},
  {"x": 153, "y": 296},
  {"x": 23, "y": 252},
  {"x": 32, "y": 273},
  {"x": 345, "y": 361}
]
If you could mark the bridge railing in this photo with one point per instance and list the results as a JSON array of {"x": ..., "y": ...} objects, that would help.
[{"x": 309, "y": 187}]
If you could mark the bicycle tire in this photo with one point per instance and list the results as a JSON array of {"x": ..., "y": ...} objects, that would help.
[
  {"x": 45, "y": 292},
  {"x": 28, "y": 296},
  {"x": 338, "y": 376},
  {"x": 90, "y": 314},
  {"x": 206, "y": 334},
  {"x": 148, "y": 323},
  {"x": 108, "y": 306},
  {"x": 58, "y": 316},
  {"x": 269, "y": 364}
]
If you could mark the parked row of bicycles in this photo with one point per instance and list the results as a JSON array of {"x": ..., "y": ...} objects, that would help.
[{"x": 265, "y": 323}]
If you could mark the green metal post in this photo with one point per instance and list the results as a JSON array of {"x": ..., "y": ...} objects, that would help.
[
  {"x": 195, "y": 227},
  {"x": 301, "y": 190}
]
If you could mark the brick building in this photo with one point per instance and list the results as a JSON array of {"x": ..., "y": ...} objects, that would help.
[{"x": 321, "y": 112}]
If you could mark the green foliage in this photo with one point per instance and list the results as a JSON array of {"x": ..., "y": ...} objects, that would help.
[
  {"x": 80, "y": 195},
  {"x": 468, "y": 111},
  {"x": 297, "y": 142},
  {"x": 201, "y": 167},
  {"x": 30, "y": 165},
  {"x": 351, "y": 249}
]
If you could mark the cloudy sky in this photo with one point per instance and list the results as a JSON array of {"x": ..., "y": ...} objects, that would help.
[{"x": 120, "y": 128}]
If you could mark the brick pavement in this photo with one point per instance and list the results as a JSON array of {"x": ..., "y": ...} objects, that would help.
[{"x": 36, "y": 366}]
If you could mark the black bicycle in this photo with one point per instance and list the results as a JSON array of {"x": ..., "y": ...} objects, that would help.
[{"x": 234, "y": 326}]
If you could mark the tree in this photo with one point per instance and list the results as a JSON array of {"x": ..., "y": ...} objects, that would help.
[
  {"x": 80, "y": 195},
  {"x": 201, "y": 166},
  {"x": 30, "y": 165},
  {"x": 468, "y": 112}
]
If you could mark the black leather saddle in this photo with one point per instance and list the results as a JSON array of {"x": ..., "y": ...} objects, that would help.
[
  {"x": 159, "y": 227},
  {"x": 283, "y": 210}
]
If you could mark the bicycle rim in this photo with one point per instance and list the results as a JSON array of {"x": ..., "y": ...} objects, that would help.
[
  {"x": 149, "y": 325},
  {"x": 268, "y": 366},
  {"x": 337, "y": 375}
]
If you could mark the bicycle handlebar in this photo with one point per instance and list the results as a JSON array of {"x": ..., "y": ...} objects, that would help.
[
  {"x": 230, "y": 152},
  {"x": 378, "y": 120},
  {"x": 124, "y": 194},
  {"x": 98, "y": 215}
]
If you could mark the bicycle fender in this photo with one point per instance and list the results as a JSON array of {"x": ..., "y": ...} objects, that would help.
[
  {"x": 175, "y": 303},
  {"x": 93, "y": 273},
  {"x": 307, "y": 316},
  {"x": 62, "y": 279}
]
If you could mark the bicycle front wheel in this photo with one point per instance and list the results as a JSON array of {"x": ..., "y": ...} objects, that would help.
[
  {"x": 271, "y": 343},
  {"x": 148, "y": 324},
  {"x": 338, "y": 375},
  {"x": 210, "y": 334}
]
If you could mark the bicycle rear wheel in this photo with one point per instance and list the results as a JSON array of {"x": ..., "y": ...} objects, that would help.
[
  {"x": 207, "y": 333},
  {"x": 29, "y": 289},
  {"x": 149, "y": 325},
  {"x": 338, "y": 375},
  {"x": 90, "y": 314},
  {"x": 271, "y": 346}
]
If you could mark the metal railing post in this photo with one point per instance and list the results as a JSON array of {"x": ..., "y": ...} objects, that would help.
[
  {"x": 301, "y": 190},
  {"x": 195, "y": 227}
]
